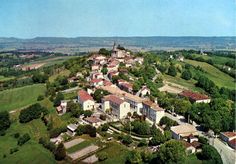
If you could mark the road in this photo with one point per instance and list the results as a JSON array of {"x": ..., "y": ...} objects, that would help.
[
  {"x": 70, "y": 90},
  {"x": 227, "y": 154}
]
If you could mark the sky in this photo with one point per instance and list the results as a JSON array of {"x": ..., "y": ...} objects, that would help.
[{"x": 102, "y": 18}]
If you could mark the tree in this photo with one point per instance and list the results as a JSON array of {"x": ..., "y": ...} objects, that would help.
[
  {"x": 142, "y": 143},
  {"x": 57, "y": 100},
  {"x": 87, "y": 113},
  {"x": 32, "y": 112},
  {"x": 140, "y": 127},
  {"x": 40, "y": 97},
  {"x": 4, "y": 121},
  {"x": 182, "y": 106},
  {"x": 171, "y": 152},
  {"x": 172, "y": 71},
  {"x": 187, "y": 75},
  {"x": 134, "y": 157},
  {"x": 104, "y": 52},
  {"x": 99, "y": 94},
  {"x": 105, "y": 127},
  {"x": 104, "y": 70},
  {"x": 60, "y": 152},
  {"x": 157, "y": 139},
  {"x": 210, "y": 153}
]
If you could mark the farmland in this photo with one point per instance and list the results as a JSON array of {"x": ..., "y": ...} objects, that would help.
[{"x": 17, "y": 98}]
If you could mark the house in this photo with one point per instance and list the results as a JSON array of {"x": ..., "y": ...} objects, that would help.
[
  {"x": 79, "y": 74},
  {"x": 152, "y": 111},
  {"x": 197, "y": 145},
  {"x": 107, "y": 83},
  {"x": 96, "y": 82},
  {"x": 117, "y": 53},
  {"x": 232, "y": 143},
  {"x": 95, "y": 67},
  {"x": 61, "y": 109},
  {"x": 195, "y": 97},
  {"x": 190, "y": 149},
  {"x": 97, "y": 75},
  {"x": 139, "y": 60},
  {"x": 144, "y": 91},
  {"x": 93, "y": 120},
  {"x": 180, "y": 58},
  {"x": 116, "y": 105},
  {"x": 125, "y": 85},
  {"x": 183, "y": 131},
  {"x": 85, "y": 100},
  {"x": 71, "y": 129},
  {"x": 191, "y": 138},
  {"x": 72, "y": 79},
  {"x": 227, "y": 136},
  {"x": 135, "y": 102},
  {"x": 112, "y": 68}
]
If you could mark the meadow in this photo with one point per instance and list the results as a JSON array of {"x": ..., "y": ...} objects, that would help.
[{"x": 18, "y": 98}]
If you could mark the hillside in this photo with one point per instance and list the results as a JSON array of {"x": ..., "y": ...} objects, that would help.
[
  {"x": 220, "y": 78},
  {"x": 19, "y": 97}
]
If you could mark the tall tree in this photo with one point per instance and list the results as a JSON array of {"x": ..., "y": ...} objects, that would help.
[{"x": 60, "y": 152}]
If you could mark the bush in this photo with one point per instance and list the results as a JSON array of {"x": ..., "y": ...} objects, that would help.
[
  {"x": 103, "y": 117},
  {"x": 16, "y": 135},
  {"x": 40, "y": 97},
  {"x": 13, "y": 150},
  {"x": 102, "y": 156},
  {"x": 142, "y": 143},
  {"x": 57, "y": 131},
  {"x": 47, "y": 144},
  {"x": 23, "y": 139},
  {"x": 4, "y": 121},
  {"x": 87, "y": 113},
  {"x": 210, "y": 153},
  {"x": 187, "y": 75},
  {"x": 172, "y": 71}
]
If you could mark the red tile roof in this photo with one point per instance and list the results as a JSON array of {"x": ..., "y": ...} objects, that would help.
[
  {"x": 229, "y": 134},
  {"x": 96, "y": 80},
  {"x": 92, "y": 119},
  {"x": 113, "y": 99},
  {"x": 232, "y": 142},
  {"x": 84, "y": 96},
  {"x": 107, "y": 83},
  {"x": 193, "y": 95}
]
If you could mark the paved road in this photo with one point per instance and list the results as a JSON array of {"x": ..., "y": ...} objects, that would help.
[{"x": 227, "y": 154}]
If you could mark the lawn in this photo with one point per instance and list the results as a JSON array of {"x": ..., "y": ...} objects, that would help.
[
  {"x": 17, "y": 98},
  {"x": 117, "y": 153},
  {"x": 220, "y": 78},
  {"x": 71, "y": 95},
  {"x": 79, "y": 146}
]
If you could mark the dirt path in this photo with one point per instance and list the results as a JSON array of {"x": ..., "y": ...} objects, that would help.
[{"x": 83, "y": 152}]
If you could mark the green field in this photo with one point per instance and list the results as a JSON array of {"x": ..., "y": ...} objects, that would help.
[
  {"x": 220, "y": 78},
  {"x": 79, "y": 146},
  {"x": 62, "y": 73},
  {"x": 17, "y": 98},
  {"x": 30, "y": 152}
]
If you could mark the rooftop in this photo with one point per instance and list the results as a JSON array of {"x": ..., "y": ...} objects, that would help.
[
  {"x": 182, "y": 129},
  {"x": 229, "y": 134},
  {"x": 96, "y": 80},
  {"x": 92, "y": 119},
  {"x": 72, "y": 127},
  {"x": 84, "y": 96},
  {"x": 153, "y": 105},
  {"x": 114, "y": 99}
]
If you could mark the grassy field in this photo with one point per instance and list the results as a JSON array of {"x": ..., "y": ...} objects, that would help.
[
  {"x": 190, "y": 84},
  {"x": 117, "y": 153},
  {"x": 62, "y": 73},
  {"x": 71, "y": 95},
  {"x": 219, "y": 60},
  {"x": 220, "y": 78},
  {"x": 17, "y": 98},
  {"x": 30, "y": 152}
]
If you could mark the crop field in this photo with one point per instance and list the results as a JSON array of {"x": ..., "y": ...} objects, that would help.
[{"x": 17, "y": 98}]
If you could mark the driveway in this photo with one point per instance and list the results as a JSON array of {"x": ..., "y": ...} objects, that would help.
[{"x": 73, "y": 142}]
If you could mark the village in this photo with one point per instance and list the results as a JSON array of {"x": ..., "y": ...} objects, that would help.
[{"x": 120, "y": 105}]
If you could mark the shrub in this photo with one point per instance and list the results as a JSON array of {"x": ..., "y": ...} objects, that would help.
[
  {"x": 57, "y": 131},
  {"x": 13, "y": 150},
  {"x": 127, "y": 140},
  {"x": 40, "y": 97},
  {"x": 103, "y": 117},
  {"x": 4, "y": 121},
  {"x": 16, "y": 135},
  {"x": 142, "y": 143},
  {"x": 105, "y": 127},
  {"x": 102, "y": 156},
  {"x": 23, "y": 139}
]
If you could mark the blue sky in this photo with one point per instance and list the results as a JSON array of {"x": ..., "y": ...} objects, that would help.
[{"x": 72, "y": 18}]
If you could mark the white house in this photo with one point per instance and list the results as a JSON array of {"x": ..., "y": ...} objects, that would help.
[
  {"x": 71, "y": 129},
  {"x": 85, "y": 100},
  {"x": 93, "y": 120},
  {"x": 97, "y": 75},
  {"x": 96, "y": 82},
  {"x": 61, "y": 109},
  {"x": 144, "y": 91},
  {"x": 116, "y": 105},
  {"x": 152, "y": 111}
]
